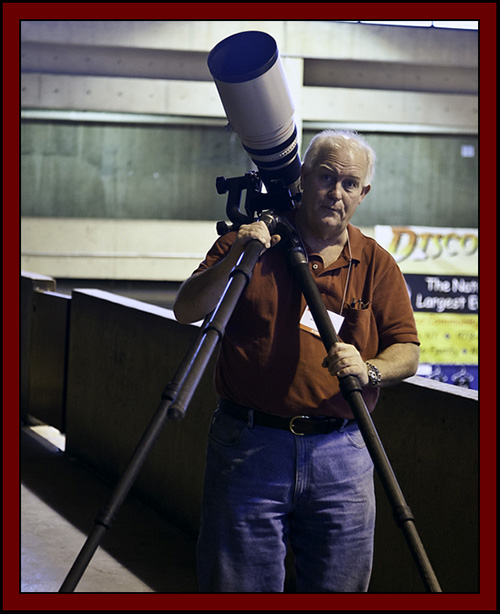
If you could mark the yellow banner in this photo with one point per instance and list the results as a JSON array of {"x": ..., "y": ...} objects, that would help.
[
  {"x": 431, "y": 250},
  {"x": 448, "y": 338}
]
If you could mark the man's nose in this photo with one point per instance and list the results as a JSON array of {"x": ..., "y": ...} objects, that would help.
[{"x": 335, "y": 190}]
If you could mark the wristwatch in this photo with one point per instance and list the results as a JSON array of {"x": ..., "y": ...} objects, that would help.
[{"x": 374, "y": 376}]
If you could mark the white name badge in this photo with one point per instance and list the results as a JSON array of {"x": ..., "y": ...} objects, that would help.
[{"x": 307, "y": 321}]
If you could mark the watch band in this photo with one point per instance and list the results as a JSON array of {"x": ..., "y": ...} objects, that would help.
[{"x": 374, "y": 376}]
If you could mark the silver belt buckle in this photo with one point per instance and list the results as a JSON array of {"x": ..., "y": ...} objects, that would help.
[{"x": 291, "y": 426}]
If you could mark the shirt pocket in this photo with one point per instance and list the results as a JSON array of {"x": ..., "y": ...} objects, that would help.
[{"x": 359, "y": 329}]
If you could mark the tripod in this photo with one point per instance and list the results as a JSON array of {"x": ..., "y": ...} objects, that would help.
[{"x": 179, "y": 392}]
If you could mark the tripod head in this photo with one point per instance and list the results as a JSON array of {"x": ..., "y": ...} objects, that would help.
[{"x": 277, "y": 198}]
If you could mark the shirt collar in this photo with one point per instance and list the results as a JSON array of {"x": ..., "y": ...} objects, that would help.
[{"x": 355, "y": 240}]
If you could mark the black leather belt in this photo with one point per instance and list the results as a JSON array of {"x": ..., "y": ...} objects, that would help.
[{"x": 298, "y": 425}]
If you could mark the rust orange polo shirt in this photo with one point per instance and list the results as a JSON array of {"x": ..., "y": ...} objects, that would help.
[{"x": 269, "y": 362}]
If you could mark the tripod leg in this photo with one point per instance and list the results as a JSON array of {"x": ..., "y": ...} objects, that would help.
[
  {"x": 107, "y": 514},
  {"x": 351, "y": 391},
  {"x": 173, "y": 405}
]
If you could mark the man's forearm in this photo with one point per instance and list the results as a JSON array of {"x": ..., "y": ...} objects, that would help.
[
  {"x": 200, "y": 294},
  {"x": 397, "y": 362}
]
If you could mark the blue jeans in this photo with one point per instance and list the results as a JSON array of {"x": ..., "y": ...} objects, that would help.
[{"x": 265, "y": 486}]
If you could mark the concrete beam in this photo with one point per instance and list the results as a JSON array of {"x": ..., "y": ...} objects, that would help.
[
  {"x": 295, "y": 38},
  {"x": 115, "y": 249},
  {"x": 200, "y": 99}
]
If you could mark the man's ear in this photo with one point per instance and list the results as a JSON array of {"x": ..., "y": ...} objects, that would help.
[
  {"x": 303, "y": 174},
  {"x": 364, "y": 191}
]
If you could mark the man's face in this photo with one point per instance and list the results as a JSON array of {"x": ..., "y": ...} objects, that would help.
[{"x": 333, "y": 189}]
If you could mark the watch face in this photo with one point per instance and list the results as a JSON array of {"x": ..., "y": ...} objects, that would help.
[{"x": 373, "y": 375}]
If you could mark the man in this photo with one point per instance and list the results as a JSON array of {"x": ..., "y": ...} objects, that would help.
[{"x": 272, "y": 477}]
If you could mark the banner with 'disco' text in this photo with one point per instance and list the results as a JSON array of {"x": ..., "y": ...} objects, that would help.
[{"x": 440, "y": 266}]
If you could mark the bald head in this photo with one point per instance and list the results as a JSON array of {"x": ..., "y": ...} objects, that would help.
[{"x": 349, "y": 142}]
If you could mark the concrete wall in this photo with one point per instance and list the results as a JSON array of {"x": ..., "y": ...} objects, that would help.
[
  {"x": 44, "y": 335},
  {"x": 159, "y": 67},
  {"x": 122, "y": 354},
  {"x": 121, "y": 119},
  {"x": 430, "y": 432}
]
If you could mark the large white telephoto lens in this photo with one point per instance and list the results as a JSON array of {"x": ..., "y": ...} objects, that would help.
[{"x": 249, "y": 76}]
